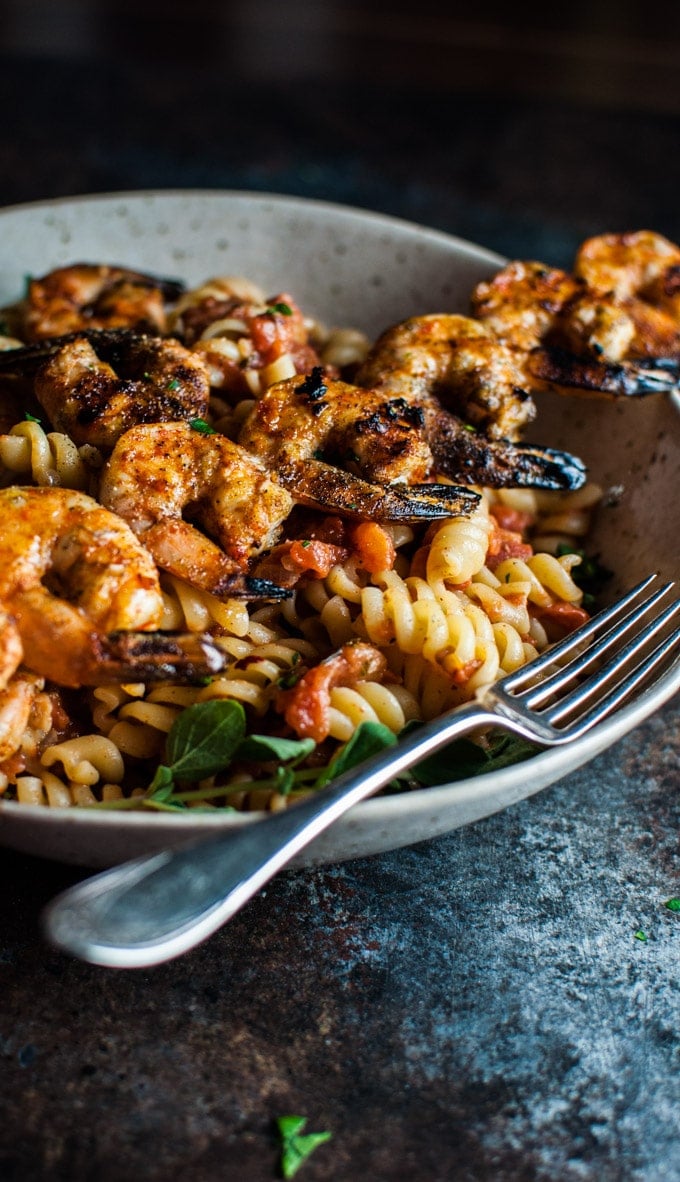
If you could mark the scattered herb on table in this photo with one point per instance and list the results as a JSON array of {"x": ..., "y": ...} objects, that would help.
[
  {"x": 641, "y": 936},
  {"x": 672, "y": 904},
  {"x": 296, "y": 1146}
]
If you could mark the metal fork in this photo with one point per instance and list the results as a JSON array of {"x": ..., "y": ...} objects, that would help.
[{"x": 155, "y": 908}]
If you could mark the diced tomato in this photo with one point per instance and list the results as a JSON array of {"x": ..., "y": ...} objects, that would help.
[
  {"x": 568, "y": 616},
  {"x": 313, "y": 557},
  {"x": 306, "y": 706},
  {"x": 505, "y": 543},
  {"x": 463, "y": 675},
  {"x": 512, "y": 519},
  {"x": 374, "y": 546}
]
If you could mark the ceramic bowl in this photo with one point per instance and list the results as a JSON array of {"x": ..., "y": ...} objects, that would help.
[{"x": 349, "y": 267}]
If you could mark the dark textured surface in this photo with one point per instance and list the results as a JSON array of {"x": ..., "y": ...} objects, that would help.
[{"x": 476, "y": 1007}]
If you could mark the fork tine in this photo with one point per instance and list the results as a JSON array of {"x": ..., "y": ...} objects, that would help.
[
  {"x": 622, "y": 689},
  {"x": 567, "y": 673},
  {"x": 564, "y": 647}
]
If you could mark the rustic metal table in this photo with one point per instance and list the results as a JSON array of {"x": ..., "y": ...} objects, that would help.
[{"x": 500, "y": 1003}]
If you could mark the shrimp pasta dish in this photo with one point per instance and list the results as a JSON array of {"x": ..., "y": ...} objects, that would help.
[{"x": 234, "y": 538}]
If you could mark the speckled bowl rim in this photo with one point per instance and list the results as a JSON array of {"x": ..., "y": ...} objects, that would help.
[{"x": 390, "y": 819}]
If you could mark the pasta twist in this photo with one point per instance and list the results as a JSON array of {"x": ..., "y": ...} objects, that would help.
[{"x": 49, "y": 458}]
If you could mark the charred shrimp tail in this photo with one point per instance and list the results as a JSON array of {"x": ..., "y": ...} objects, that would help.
[
  {"x": 27, "y": 359},
  {"x": 562, "y": 370},
  {"x": 321, "y": 486},
  {"x": 466, "y": 455},
  {"x": 156, "y": 656}
]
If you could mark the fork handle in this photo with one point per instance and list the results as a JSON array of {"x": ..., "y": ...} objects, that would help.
[{"x": 157, "y": 907}]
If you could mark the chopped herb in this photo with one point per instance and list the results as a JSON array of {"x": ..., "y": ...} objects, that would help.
[
  {"x": 201, "y": 427},
  {"x": 296, "y": 1146},
  {"x": 147, "y": 377},
  {"x": 29, "y": 418},
  {"x": 469, "y": 427},
  {"x": 305, "y": 544},
  {"x": 282, "y": 309},
  {"x": 173, "y": 384},
  {"x": 640, "y": 935},
  {"x": 673, "y": 904}
]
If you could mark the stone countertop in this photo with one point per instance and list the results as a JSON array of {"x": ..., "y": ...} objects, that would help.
[{"x": 477, "y": 1007}]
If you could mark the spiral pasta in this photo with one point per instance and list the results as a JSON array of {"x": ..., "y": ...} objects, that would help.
[{"x": 46, "y": 458}]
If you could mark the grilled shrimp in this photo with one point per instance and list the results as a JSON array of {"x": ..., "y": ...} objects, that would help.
[
  {"x": 458, "y": 360},
  {"x": 577, "y": 335},
  {"x": 301, "y": 428},
  {"x": 96, "y": 385},
  {"x": 88, "y": 295},
  {"x": 641, "y": 263},
  {"x": 248, "y": 342},
  {"x": 81, "y": 597},
  {"x": 17, "y": 699},
  {"x": 158, "y": 472}
]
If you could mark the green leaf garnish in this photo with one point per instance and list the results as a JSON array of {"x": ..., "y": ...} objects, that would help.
[
  {"x": 29, "y": 418},
  {"x": 282, "y": 309},
  {"x": 202, "y": 427},
  {"x": 464, "y": 758},
  {"x": 367, "y": 740},
  {"x": 296, "y": 1146},
  {"x": 173, "y": 384},
  {"x": 267, "y": 747},
  {"x": 204, "y": 737},
  {"x": 673, "y": 904},
  {"x": 640, "y": 935}
]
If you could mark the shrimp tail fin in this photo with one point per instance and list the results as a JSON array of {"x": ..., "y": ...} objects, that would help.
[
  {"x": 322, "y": 486},
  {"x": 464, "y": 454},
  {"x": 157, "y": 656},
  {"x": 27, "y": 359},
  {"x": 561, "y": 370}
]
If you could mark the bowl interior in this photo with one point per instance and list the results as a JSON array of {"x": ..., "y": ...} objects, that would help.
[{"x": 349, "y": 267}]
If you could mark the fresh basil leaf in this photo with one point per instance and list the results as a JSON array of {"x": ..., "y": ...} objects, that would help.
[
  {"x": 162, "y": 784},
  {"x": 284, "y": 780},
  {"x": 267, "y": 747},
  {"x": 463, "y": 758},
  {"x": 296, "y": 1146},
  {"x": 367, "y": 740},
  {"x": 204, "y": 737}
]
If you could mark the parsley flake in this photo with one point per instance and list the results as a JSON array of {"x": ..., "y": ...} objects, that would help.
[
  {"x": 202, "y": 427},
  {"x": 173, "y": 384},
  {"x": 640, "y": 935},
  {"x": 29, "y": 418},
  {"x": 296, "y": 1146},
  {"x": 673, "y": 904},
  {"x": 282, "y": 309}
]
